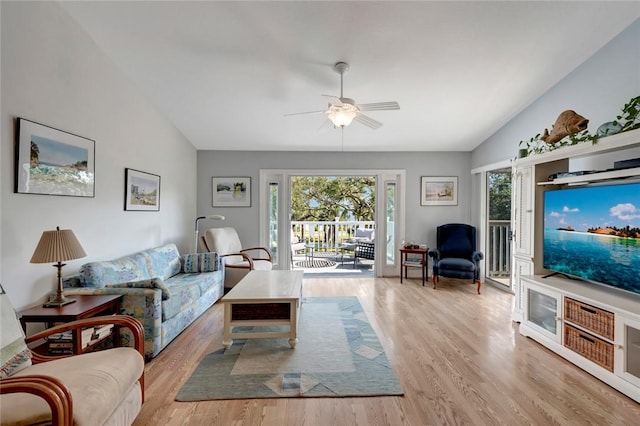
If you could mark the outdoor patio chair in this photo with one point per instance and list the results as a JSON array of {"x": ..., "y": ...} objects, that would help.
[
  {"x": 362, "y": 235},
  {"x": 296, "y": 246},
  {"x": 363, "y": 250}
]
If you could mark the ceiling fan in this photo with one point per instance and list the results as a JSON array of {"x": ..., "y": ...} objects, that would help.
[{"x": 342, "y": 111}]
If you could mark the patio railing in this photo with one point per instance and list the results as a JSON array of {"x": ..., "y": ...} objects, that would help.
[
  {"x": 498, "y": 260},
  {"x": 327, "y": 236}
]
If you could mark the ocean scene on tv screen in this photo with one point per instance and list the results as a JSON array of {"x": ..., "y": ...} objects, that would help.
[{"x": 594, "y": 233}]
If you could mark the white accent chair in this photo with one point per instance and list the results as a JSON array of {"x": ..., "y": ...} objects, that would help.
[
  {"x": 296, "y": 246},
  {"x": 96, "y": 388},
  {"x": 238, "y": 261}
]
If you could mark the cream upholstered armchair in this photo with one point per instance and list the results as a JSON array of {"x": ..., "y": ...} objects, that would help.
[
  {"x": 238, "y": 261},
  {"x": 96, "y": 388}
]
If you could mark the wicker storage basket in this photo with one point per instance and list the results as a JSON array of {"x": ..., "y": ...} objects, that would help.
[
  {"x": 260, "y": 311},
  {"x": 589, "y": 317},
  {"x": 589, "y": 346}
]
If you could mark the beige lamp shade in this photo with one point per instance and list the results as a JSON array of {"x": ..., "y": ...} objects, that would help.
[{"x": 57, "y": 246}]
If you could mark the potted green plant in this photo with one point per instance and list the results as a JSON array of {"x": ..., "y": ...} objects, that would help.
[{"x": 529, "y": 146}]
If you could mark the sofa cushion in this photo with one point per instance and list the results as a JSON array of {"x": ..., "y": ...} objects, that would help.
[
  {"x": 151, "y": 283},
  {"x": 200, "y": 262},
  {"x": 164, "y": 261},
  {"x": 456, "y": 264},
  {"x": 184, "y": 289},
  {"x": 122, "y": 270},
  {"x": 98, "y": 382}
]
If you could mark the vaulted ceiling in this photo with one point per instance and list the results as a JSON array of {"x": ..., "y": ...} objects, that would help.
[{"x": 226, "y": 73}]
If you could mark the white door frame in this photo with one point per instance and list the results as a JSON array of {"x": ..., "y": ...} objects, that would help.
[{"x": 282, "y": 178}]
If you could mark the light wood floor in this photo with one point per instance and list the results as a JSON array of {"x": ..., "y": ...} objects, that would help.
[{"x": 458, "y": 356}]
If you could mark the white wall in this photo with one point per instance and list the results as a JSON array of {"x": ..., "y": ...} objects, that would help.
[
  {"x": 596, "y": 90},
  {"x": 421, "y": 221},
  {"x": 53, "y": 73}
]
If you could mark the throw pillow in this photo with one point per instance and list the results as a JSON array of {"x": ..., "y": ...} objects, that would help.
[
  {"x": 200, "y": 262},
  {"x": 150, "y": 283}
]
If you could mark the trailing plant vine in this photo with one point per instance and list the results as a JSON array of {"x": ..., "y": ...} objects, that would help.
[
  {"x": 536, "y": 145},
  {"x": 629, "y": 119}
]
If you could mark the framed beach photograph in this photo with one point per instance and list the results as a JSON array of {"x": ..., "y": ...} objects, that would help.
[
  {"x": 231, "y": 191},
  {"x": 439, "y": 191},
  {"x": 49, "y": 161},
  {"x": 141, "y": 191}
]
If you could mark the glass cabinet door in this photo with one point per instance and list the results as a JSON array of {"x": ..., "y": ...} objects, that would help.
[
  {"x": 542, "y": 310},
  {"x": 627, "y": 362}
]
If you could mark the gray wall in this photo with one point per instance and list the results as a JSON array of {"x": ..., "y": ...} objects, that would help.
[
  {"x": 420, "y": 221},
  {"x": 52, "y": 73},
  {"x": 596, "y": 90}
]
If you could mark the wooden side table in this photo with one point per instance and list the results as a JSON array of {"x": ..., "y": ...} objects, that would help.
[
  {"x": 85, "y": 307},
  {"x": 407, "y": 263}
]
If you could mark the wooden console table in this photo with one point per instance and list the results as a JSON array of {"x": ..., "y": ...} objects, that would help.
[{"x": 406, "y": 263}]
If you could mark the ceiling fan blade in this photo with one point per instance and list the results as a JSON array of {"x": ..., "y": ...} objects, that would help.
[
  {"x": 326, "y": 125},
  {"x": 378, "y": 106},
  {"x": 308, "y": 112},
  {"x": 367, "y": 121},
  {"x": 334, "y": 100}
]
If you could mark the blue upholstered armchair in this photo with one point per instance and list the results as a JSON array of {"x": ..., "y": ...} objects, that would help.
[{"x": 456, "y": 255}]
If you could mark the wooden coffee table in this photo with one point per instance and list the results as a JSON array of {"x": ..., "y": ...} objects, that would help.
[{"x": 263, "y": 298}]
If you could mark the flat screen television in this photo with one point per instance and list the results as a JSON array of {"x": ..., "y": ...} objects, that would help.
[{"x": 593, "y": 233}]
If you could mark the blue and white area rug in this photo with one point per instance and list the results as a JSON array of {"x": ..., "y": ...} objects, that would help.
[{"x": 338, "y": 355}]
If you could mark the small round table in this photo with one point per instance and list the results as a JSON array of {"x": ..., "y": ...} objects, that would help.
[{"x": 308, "y": 253}]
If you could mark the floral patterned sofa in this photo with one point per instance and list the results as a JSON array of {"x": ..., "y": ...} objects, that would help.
[{"x": 162, "y": 289}]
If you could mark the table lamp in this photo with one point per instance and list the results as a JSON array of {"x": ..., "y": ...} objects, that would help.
[
  {"x": 58, "y": 246},
  {"x": 212, "y": 217}
]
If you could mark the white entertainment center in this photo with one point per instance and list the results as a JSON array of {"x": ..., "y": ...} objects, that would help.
[{"x": 595, "y": 327}]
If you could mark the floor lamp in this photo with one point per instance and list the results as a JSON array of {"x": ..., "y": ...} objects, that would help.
[{"x": 211, "y": 217}]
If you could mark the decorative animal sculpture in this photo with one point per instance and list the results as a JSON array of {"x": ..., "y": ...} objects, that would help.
[{"x": 567, "y": 123}]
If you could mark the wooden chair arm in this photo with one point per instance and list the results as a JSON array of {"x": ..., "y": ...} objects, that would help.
[
  {"x": 54, "y": 393},
  {"x": 261, "y": 249},
  {"x": 244, "y": 257},
  {"x": 119, "y": 320}
]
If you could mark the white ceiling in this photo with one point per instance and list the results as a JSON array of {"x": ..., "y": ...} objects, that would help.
[{"x": 225, "y": 73}]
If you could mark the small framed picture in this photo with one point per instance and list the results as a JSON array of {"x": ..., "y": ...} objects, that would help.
[
  {"x": 231, "y": 191},
  {"x": 52, "y": 162},
  {"x": 439, "y": 191},
  {"x": 141, "y": 191}
]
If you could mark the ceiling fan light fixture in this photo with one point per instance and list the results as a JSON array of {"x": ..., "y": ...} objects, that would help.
[
  {"x": 342, "y": 111},
  {"x": 342, "y": 115},
  {"x": 341, "y": 118}
]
